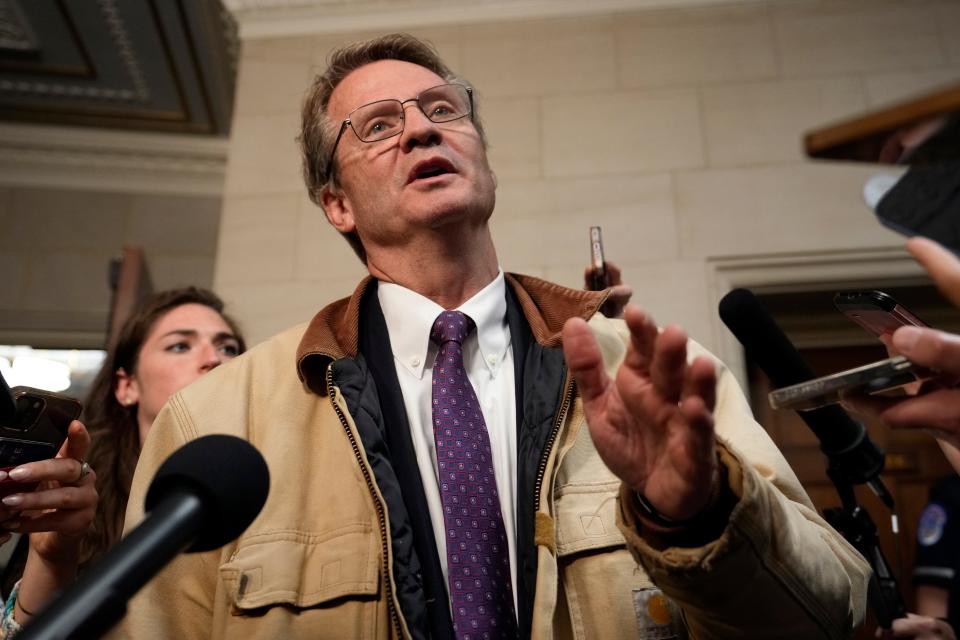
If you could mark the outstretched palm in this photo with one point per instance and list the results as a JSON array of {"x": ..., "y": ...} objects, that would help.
[{"x": 652, "y": 423}]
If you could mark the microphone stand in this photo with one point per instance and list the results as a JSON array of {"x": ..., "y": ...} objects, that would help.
[{"x": 855, "y": 525}]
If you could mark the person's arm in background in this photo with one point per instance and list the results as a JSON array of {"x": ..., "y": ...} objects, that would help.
[
  {"x": 932, "y": 601},
  {"x": 919, "y": 628}
]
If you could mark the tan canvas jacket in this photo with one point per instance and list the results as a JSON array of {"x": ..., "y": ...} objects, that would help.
[{"x": 317, "y": 563}]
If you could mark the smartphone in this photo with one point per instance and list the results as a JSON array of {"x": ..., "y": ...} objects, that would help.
[
  {"x": 36, "y": 431},
  {"x": 599, "y": 278},
  {"x": 925, "y": 202},
  {"x": 875, "y": 311},
  {"x": 875, "y": 377}
]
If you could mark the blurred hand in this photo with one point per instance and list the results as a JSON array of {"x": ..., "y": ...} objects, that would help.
[
  {"x": 59, "y": 512},
  {"x": 620, "y": 293},
  {"x": 919, "y": 628},
  {"x": 936, "y": 406},
  {"x": 652, "y": 423}
]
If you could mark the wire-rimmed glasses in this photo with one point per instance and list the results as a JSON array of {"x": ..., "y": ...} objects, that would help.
[{"x": 384, "y": 118}]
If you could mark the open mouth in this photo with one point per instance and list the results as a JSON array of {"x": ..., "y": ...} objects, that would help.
[{"x": 431, "y": 169}]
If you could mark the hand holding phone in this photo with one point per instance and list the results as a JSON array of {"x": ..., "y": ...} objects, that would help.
[
  {"x": 602, "y": 275},
  {"x": 873, "y": 378},
  {"x": 36, "y": 431}
]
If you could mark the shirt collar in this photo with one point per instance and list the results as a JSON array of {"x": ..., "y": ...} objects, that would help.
[{"x": 410, "y": 316}]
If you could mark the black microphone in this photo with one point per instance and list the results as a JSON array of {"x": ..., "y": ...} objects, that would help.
[
  {"x": 842, "y": 439},
  {"x": 203, "y": 496}
]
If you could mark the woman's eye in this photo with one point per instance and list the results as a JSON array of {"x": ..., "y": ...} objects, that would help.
[
  {"x": 178, "y": 347},
  {"x": 231, "y": 350}
]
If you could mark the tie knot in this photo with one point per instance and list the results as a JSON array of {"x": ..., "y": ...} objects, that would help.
[{"x": 451, "y": 325}]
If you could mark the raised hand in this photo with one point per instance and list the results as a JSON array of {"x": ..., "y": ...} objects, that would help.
[{"x": 652, "y": 424}]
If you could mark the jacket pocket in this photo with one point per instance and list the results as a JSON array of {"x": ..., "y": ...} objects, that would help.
[
  {"x": 294, "y": 581},
  {"x": 599, "y": 575}
]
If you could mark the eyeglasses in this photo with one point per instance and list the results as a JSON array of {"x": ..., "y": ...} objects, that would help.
[{"x": 384, "y": 118}]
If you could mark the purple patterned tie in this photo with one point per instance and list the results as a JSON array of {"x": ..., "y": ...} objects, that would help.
[{"x": 478, "y": 558}]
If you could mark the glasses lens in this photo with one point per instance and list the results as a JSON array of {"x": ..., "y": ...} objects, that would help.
[
  {"x": 446, "y": 102},
  {"x": 377, "y": 120}
]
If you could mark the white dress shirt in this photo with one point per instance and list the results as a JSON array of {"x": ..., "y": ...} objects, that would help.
[{"x": 488, "y": 361}]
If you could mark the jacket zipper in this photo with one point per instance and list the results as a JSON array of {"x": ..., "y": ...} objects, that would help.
[
  {"x": 381, "y": 514},
  {"x": 561, "y": 415}
]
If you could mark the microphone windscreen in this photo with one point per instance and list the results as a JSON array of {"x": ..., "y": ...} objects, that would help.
[
  {"x": 228, "y": 475},
  {"x": 762, "y": 339}
]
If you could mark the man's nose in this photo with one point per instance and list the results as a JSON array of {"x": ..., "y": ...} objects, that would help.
[{"x": 418, "y": 129}]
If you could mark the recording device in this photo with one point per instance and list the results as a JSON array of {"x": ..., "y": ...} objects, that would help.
[
  {"x": 842, "y": 439},
  {"x": 34, "y": 429},
  {"x": 205, "y": 495},
  {"x": 876, "y": 377},
  {"x": 599, "y": 279},
  {"x": 875, "y": 311}
]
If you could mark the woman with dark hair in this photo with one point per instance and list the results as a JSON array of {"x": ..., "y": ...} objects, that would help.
[{"x": 175, "y": 337}]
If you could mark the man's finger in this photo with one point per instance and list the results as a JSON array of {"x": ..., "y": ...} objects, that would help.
[
  {"x": 583, "y": 356},
  {"x": 934, "y": 410},
  {"x": 937, "y": 350},
  {"x": 701, "y": 382},
  {"x": 643, "y": 335},
  {"x": 668, "y": 369},
  {"x": 943, "y": 266}
]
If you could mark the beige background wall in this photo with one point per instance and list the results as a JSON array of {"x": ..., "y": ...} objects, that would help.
[
  {"x": 55, "y": 245},
  {"x": 678, "y": 131}
]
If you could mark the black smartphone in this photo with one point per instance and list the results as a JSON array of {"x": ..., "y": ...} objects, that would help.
[
  {"x": 925, "y": 201},
  {"x": 875, "y": 377},
  {"x": 36, "y": 431},
  {"x": 875, "y": 311}
]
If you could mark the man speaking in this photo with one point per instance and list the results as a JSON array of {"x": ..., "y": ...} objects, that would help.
[{"x": 459, "y": 452}]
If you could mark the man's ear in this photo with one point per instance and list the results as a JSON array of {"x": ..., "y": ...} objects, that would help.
[
  {"x": 493, "y": 176},
  {"x": 126, "y": 388},
  {"x": 337, "y": 208}
]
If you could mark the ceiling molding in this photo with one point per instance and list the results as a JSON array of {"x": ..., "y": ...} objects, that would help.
[
  {"x": 284, "y": 18},
  {"x": 115, "y": 161}
]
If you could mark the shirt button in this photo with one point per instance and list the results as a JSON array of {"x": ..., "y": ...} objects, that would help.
[
  {"x": 415, "y": 362},
  {"x": 492, "y": 359}
]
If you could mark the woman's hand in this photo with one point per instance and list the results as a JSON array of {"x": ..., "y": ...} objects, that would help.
[{"x": 60, "y": 510}]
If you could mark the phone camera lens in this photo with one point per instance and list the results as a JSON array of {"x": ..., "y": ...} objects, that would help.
[{"x": 28, "y": 411}]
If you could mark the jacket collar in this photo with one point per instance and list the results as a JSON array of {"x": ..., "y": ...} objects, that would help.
[{"x": 332, "y": 334}]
